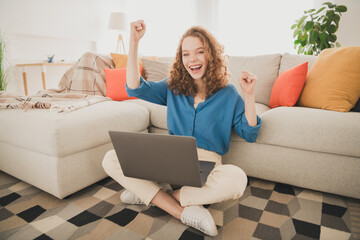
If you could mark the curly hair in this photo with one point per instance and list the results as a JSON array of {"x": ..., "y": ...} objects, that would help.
[{"x": 216, "y": 75}]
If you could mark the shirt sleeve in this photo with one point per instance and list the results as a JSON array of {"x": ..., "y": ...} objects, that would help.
[
  {"x": 241, "y": 125},
  {"x": 155, "y": 92}
]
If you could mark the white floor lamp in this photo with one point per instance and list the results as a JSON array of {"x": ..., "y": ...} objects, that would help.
[{"x": 118, "y": 22}]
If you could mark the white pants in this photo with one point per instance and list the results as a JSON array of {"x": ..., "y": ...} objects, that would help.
[{"x": 223, "y": 183}]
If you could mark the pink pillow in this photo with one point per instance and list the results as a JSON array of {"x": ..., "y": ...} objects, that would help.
[{"x": 288, "y": 86}]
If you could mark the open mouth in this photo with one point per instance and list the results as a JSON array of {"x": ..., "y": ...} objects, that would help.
[{"x": 195, "y": 68}]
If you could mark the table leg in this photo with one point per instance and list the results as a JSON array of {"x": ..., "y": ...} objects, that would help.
[
  {"x": 25, "y": 81},
  {"x": 43, "y": 72}
]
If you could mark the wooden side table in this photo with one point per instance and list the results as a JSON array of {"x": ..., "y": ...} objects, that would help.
[{"x": 43, "y": 72}]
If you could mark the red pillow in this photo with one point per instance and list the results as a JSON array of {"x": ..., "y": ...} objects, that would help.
[
  {"x": 115, "y": 84},
  {"x": 288, "y": 86}
]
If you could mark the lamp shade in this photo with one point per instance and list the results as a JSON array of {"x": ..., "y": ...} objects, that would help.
[{"x": 118, "y": 21}]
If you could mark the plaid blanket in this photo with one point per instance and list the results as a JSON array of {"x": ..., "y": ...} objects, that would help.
[{"x": 82, "y": 85}]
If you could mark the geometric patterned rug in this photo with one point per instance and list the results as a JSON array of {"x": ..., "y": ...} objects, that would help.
[{"x": 267, "y": 210}]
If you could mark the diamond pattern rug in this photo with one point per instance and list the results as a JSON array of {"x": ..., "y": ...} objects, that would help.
[{"x": 267, "y": 210}]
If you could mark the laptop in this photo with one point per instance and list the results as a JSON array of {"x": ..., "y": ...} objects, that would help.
[{"x": 161, "y": 158}]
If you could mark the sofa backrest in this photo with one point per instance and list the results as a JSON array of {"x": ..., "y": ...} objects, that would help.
[
  {"x": 265, "y": 67},
  {"x": 291, "y": 60}
]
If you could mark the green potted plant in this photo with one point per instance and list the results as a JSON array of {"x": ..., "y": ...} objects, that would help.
[
  {"x": 3, "y": 71},
  {"x": 315, "y": 30}
]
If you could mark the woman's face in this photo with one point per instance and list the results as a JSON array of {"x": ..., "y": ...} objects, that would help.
[{"x": 194, "y": 57}]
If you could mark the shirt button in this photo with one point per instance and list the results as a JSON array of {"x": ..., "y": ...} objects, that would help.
[{"x": 190, "y": 128}]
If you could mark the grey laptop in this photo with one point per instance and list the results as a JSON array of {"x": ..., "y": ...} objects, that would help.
[{"x": 161, "y": 158}]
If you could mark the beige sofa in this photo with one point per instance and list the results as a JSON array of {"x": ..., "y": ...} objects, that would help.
[{"x": 305, "y": 147}]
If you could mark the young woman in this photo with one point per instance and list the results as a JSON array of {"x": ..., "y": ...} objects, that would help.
[{"x": 200, "y": 103}]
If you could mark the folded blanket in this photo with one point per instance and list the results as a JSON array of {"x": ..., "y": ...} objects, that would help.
[
  {"x": 60, "y": 102},
  {"x": 82, "y": 85},
  {"x": 87, "y": 75}
]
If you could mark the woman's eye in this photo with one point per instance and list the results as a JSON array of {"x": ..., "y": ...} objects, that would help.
[
  {"x": 201, "y": 52},
  {"x": 185, "y": 54}
]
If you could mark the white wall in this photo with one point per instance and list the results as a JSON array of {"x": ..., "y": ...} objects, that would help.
[
  {"x": 258, "y": 27},
  {"x": 348, "y": 33},
  {"x": 38, "y": 28},
  {"x": 349, "y": 30},
  {"x": 68, "y": 28}
]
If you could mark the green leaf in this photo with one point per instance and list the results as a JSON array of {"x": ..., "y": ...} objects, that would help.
[
  {"x": 311, "y": 10},
  {"x": 338, "y": 44},
  {"x": 313, "y": 36},
  {"x": 337, "y": 19},
  {"x": 309, "y": 25},
  {"x": 293, "y": 26},
  {"x": 331, "y": 29},
  {"x": 321, "y": 9},
  {"x": 332, "y": 38},
  {"x": 296, "y": 32},
  {"x": 303, "y": 39},
  {"x": 341, "y": 8},
  {"x": 330, "y": 15},
  {"x": 302, "y": 19},
  {"x": 329, "y": 4},
  {"x": 323, "y": 37}
]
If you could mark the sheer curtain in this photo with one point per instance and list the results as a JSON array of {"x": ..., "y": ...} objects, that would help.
[{"x": 248, "y": 28}]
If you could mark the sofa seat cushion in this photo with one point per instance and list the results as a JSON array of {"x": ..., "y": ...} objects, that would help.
[
  {"x": 157, "y": 113},
  {"x": 158, "y": 118},
  {"x": 61, "y": 134},
  {"x": 312, "y": 129}
]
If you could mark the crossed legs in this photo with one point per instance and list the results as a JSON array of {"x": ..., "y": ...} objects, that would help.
[{"x": 223, "y": 183}]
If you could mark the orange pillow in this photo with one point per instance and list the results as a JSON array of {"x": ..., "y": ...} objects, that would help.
[
  {"x": 333, "y": 82},
  {"x": 115, "y": 84},
  {"x": 288, "y": 86},
  {"x": 120, "y": 60}
]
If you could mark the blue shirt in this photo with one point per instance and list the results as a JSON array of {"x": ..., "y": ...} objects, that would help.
[{"x": 210, "y": 123}]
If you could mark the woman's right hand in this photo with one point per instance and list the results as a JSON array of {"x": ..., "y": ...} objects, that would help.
[{"x": 137, "y": 30}]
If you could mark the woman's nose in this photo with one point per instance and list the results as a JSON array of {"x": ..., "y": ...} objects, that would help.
[{"x": 193, "y": 58}]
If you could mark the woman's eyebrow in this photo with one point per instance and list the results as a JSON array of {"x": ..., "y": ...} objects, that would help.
[{"x": 199, "y": 48}]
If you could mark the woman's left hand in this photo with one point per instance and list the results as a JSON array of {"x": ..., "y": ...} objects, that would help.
[{"x": 247, "y": 82}]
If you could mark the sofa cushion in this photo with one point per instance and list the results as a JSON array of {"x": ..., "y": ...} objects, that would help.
[
  {"x": 333, "y": 83},
  {"x": 155, "y": 71},
  {"x": 266, "y": 69},
  {"x": 115, "y": 84},
  {"x": 312, "y": 129},
  {"x": 288, "y": 86},
  {"x": 291, "y": 60},
  {"x": 61, "y": 134},
  {"x": 158, "y": 113}
]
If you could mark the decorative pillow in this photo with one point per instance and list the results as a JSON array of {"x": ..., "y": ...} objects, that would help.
[
  {"x": 333, "y": 83},
  {"x": 120, "y": 60},
  {"x": 115, "y": 84},
  {"x": 356, "y": 108},
  {"x": 155, "y": 71},
  {"x": 288, "y": 86}
]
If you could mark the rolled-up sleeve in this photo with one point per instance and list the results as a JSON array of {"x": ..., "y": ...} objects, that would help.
[
  {"x": 241, "y": 125},
  {"x": 155, "y": 92}
]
